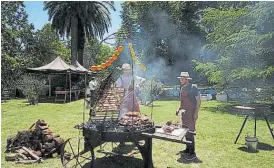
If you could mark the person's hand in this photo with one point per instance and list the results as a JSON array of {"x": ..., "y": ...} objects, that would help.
[{"x": 195, "y": 116}]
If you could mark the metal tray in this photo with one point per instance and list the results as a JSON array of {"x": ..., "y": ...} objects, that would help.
[{"x": 176, "y": 136}]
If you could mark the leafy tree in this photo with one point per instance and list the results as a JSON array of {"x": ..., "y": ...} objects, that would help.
[
  {"x": 22, "y": 47},
  {"x": 92, "y": 48},
  {"x": 16, "y": 42},
  {"x": 239, "y": 46},
  {"x": 96, "y": 53},
  {"x": 48, "y": 46},
  {"x": 82, "y": 20}
]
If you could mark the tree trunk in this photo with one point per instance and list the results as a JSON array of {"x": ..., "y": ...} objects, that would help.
[
  {"x": 80, "y": 56},
  {"x": 81, "y": 42},
  {"x": 74, "y": 39}
]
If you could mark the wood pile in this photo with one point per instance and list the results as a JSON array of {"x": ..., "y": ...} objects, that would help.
[{"x": 32, "y": 145}]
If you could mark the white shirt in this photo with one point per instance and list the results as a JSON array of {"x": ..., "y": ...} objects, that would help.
[
  {"x": 125, "y": 81},
  {"x": 93, "y": 84}
]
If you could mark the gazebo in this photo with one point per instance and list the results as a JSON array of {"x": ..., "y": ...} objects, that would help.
[{"x": 58, "y": 66}]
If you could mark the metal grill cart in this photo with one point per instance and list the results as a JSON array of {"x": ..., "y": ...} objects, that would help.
[
  {"x": 104, "y": 127},
  {"x": 255, "y": 111}
]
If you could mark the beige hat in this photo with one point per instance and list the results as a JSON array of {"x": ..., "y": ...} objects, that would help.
[
  {"x": 126, "y": 66},
  {"x": 185, "y": 74}
]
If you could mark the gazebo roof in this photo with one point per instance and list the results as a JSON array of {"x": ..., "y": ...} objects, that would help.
[
  {"x": 78, "y": 67},
  {"x": 59, "y": 66}
]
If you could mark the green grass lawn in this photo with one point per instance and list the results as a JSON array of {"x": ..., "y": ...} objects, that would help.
[{"x": 216, "y": 132}]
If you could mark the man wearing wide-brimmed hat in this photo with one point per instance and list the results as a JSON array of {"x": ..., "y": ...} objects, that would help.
[{"x": 189, "y": 106}]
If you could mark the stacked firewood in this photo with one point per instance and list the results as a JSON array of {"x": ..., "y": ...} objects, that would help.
[
  {"x": 34, "y": 144},
  {"x": 134, "y": 119}
]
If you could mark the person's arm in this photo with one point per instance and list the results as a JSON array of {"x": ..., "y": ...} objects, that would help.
[
  {"x": 118, "y": 83},
  {"x": 139, "y": 80},
  {"x": 180, "y": 105},
  {"x": 198, "y": 104},
  {"x": 142, "y": 80},
  {"x": 178, "y": 109},
  {"x": 198, "y": 98}
]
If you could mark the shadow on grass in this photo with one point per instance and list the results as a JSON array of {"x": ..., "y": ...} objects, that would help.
[
  {"x": 184, "y": 161},
  {"x": 260, "y": 146},
  {"x": 229, "y": 107},
  {"x": 116, "y": 161},
  {"x": 124, "y": 149},
  {"x": 168, "y": 99},
  {"x": 151, "y": 105},
  {"x": 264, "y": 146},
  {"x": 51, "y": 100},
  {"x": 42, "y": 102},
  {"x": 245, "y": 149},
  {"x": 155, "y": 105},
  {"x": 4, "y": 101}
]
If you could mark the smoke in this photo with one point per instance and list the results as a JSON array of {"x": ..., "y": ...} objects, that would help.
[
  {"x": 183, "y": 47},
  {"x": 154, "y": 70}
]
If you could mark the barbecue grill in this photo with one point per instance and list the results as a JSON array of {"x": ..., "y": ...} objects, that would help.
[
  {"x": 104, "y": 127},
  {"x": 256, "y": 111}
]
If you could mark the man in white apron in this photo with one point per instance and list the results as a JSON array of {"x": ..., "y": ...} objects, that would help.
[{"x": 130, "y": 101}]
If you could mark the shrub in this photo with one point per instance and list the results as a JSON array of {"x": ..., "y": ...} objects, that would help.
[{"x": 31, "y": 87}]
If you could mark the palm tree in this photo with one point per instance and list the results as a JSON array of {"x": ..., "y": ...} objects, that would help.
[{"x": 81, "y": 20}]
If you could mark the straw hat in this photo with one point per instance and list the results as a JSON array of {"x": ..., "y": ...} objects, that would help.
[
  {"x": 126, "y": 66},
  {"x": 185, "y": 74}
]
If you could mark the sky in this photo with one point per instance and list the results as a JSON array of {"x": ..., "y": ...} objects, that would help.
[{"x": 39, "y": 17}]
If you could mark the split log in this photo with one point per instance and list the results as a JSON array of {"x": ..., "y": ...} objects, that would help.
[
  {"x": 47, "y": 132},
  {"x": 43, "y": 127},
  {"x": 49, "y": 145},
  {"x": 26, "y": 161},
  {"x": 11, "y": 156},
  {"x": 24, "y": 157},
  {"x": 38, "y": 153},
  {"x": 58, "y": 141},
  {"x": 51, "y": 152},
  {"x": 48, "y": 137},
  {"x": 32, "y": 154},
  {"x": 21, "y": 151}
]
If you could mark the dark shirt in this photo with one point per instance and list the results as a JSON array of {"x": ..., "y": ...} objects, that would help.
[{"x": 192, "y": 91}]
